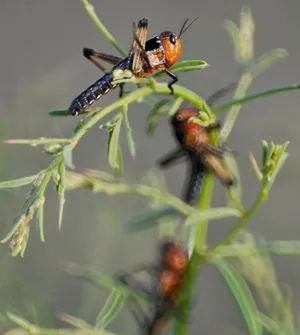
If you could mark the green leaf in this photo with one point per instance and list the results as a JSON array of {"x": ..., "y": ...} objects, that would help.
[
  {"x": 234, "y": 33},
  {"x": 39, "y": 141},
  {"x": 113, "y": 144},
  {"x": 49, "y": 331},
  {"x": 280, "y": 163},
  {"x": 229, "y": 122},
  {"x": 242, "y": 37},
  {"x": 129, "y": 137},
  {"x": 235, "y": 192},
  {"x": 238, "y": 249},
  {"x": 149, "y": 218},
  {"x": 23, "y": 323},
  {"x": 92, "y": 276},
  {"x": 185, "y": 66},
  {"x": 13, "y": 183},
  {"x": 211, "y": 214},
  {"x": 154, "y": 115},
  {"x": 267, "y": 60},
  {"x": 112, "y": 307},
  {"x": 60, "y": 113},
  {"x": 73, "y": 321},
  {"x": 282, "y": 247},
  {"x": 61, "y": 192},
  {"x": 269, "y": 324},
  {"x": 255, "y": 167},
  {"x": 104, "y": 31},
  {"x": 40, "y": 219},
  {"x": 100, "y": 280},
  {"x": 265, "y": 152},
  {"x": 68, "y": 157},
  {"x": 242, "y": 294},
  {"x": 13, "y": 230},
  {"x": 175, "y": 106}
]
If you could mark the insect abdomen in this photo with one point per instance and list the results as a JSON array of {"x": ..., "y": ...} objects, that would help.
[
  {"x": 91, "y": 94},
  {"x": 95, "y": 91}
]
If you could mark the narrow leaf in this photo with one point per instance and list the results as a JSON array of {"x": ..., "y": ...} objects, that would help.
[
  {"x": 173, "y": 109},
  {"x": 68, "y": 157},
  {"x": 118, "y": 170},
  {"x": 255, "y": 166},
  {"x": 23, "y": 323},
  {"x": 100, "y": 280},
  {"x": 185, "y": 66},
  {"x": 40, "y": 219},
  {"x": 267, "y": 60},
  {"x": 211, "y": 214},
  {"x": 236, "y": 190},
  {"x": 94, "y": 277},
  {"x": 13, "y": 183},
  {"x": 73, "y": 321},
  {"x": 39, "y": 141},
  {"x": 61, "y": 193},
  {"x": 244, "y": 83},
  {"x": 113, "y": 144},
  {"x": 234, "y": 33},
  {"x": 13, "y": 230},
  {"x": 269, "y": 324},
  {"x": 112, "y": 307},
  {"x": 76, "y": 180},
  {"x": 109, "y": 37},
  {"x": 150, "y": 218},
  {"x": 154, "y": 115},
  {"x": 282, "y": 247},
  {"x": 271, "y": 247},
  {"x": 129, "y": 137},
  {"x": 265, "y": 152},
  {"x": 280, "y": 163},
  {"x": 242, "y": 294}
]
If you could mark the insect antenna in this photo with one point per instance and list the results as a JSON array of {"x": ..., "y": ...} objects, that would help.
[{"x": 186, "y": 26}]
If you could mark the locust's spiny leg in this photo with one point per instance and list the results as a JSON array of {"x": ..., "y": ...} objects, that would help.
[
  {"x": 173, "y": 81},
  {"x": 91, "y": 55},
  {"x": 171, "y": 158}
]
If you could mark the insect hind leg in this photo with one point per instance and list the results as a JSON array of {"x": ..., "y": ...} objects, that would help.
[{"x": 93, "y": 55}]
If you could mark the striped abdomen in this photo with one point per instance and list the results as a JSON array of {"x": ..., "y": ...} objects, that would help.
[{"x": 96, "y": 91}]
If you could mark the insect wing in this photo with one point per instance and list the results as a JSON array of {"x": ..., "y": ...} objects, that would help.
[
  {"x": 138, "y": 48},
  {"x": 219, "y": 168}
]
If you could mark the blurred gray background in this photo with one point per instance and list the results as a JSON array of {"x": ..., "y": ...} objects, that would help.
[{"x": 42, "y": 69}]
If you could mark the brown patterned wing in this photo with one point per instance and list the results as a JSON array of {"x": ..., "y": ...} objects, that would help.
[{"x": 138, "y": 44}]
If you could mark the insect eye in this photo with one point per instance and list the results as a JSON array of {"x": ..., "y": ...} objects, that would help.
[{"x": 172, "y": 39}]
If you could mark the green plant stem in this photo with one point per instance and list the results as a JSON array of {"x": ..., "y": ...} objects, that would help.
[
  {"x": 180, "y": 327},
  {"x": 205, "y": 199},
  {"x": 199, "y": 237},
  {"x": 41, "y": 141},
  {"x": 230, "y": 119},
  {"x": 158, "y": 88},
  {"x": 91, "y": 12},
  {"x": 254, "y": 96},
  {"x": 241, "y": 223}
]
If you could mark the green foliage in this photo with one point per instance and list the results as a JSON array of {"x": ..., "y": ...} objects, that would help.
[{"x": 229, "y": 254}]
